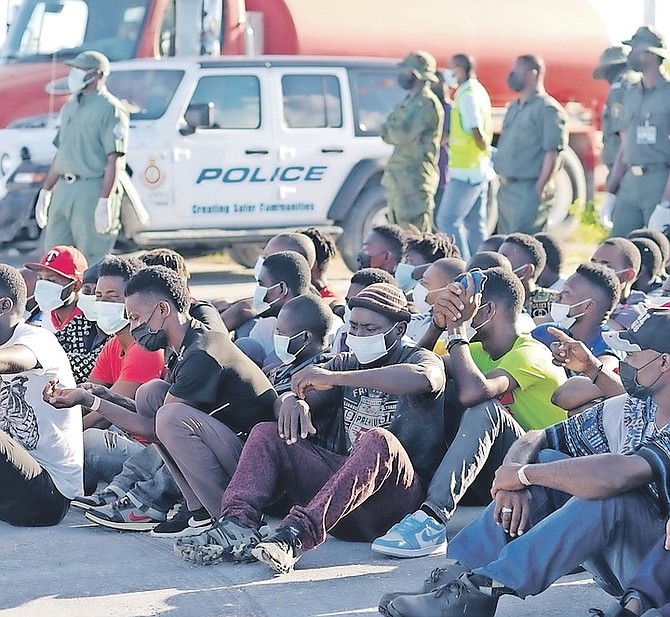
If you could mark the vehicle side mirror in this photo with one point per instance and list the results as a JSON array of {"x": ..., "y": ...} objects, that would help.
[{"x": 198, "y": 116}]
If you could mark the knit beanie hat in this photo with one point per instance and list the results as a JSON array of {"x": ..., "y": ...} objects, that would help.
[{"x": 385, "y": 299}]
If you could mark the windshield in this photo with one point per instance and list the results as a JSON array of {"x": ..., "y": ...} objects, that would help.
[
  {"x": 147, "y": 93},
  {"x": 65, "y": 27}
]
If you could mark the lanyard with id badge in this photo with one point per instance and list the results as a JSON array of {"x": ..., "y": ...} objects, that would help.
[{"x": 646, "y": 134}]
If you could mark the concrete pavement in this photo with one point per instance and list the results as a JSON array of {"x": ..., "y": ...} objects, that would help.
[{"x": 77, "y": 569}]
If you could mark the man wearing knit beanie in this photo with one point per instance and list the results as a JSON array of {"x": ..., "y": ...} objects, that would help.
[{"x": 379, "y": 413}]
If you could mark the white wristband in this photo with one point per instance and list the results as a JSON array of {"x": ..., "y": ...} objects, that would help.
[
  {"x": 521, "y": 474},
  {"x": 96, "y": 403}
]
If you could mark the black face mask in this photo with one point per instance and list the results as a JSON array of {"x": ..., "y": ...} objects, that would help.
[
  {"x": 630, "y": 383},
  {"x": 516, "y": 83},
  {"x": 635, "y": 62},
  {"x": 364, "y": 260},
  {"x": 147, "y": 339},
  {"x": 406, "y": 81}
]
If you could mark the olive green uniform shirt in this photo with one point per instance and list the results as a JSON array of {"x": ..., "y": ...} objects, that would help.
[
  {"x": 612, "y": 117},
  {"x": 530, "y": 129},
  {"x": 646, "y": 122},
  {"x": 92, "y": 126}
]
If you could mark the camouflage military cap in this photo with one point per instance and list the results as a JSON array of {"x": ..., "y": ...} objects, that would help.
[{"x": 422, "y": 63}]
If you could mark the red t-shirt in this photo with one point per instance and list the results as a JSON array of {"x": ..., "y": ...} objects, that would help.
[{"x": 136, "y": 364}]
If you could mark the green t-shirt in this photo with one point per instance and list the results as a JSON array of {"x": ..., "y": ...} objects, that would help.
[{"x": 529, "y": 363}]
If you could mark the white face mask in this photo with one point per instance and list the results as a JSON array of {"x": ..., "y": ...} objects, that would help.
[
  {"x": 86, "y": 302},
  {"x": 257, "y": 266},
  {"x": 367, "y": 349},
  {"x": 471, "y": 331},
  {"x": 419, "y": 298},
  {"x": 282, "y": 343},
  {"x": 76, "y": 80},
  {"x": 403, "y": 276},
  {"x": 520, "y": 269},
  {"x": 450, "y": 78},
  {"x": 48, "y": 295},
  {"x": 111, "y": 316},
  {"x": 560, "y": 313},
  {"x": 258, "y": 301}
]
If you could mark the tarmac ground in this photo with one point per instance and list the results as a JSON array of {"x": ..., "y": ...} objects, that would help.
[{"x": 77, "y": 569}]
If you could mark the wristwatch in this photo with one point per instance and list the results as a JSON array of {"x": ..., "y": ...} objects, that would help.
[{"x": 455, "y": 339}]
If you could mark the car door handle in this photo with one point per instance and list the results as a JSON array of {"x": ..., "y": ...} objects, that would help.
[
  {"x": 256, "y": 152},
  {"x": 332, "y": 150}
]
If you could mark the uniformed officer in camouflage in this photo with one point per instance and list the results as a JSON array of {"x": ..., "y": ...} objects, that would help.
[
  {"x": 80, "y": 202},
  {"x": 533, "y": 136},
  {"x": 414, "y": 127},
  {"x": 640, "y": 178},
  {"x": 613, "y": 67}
]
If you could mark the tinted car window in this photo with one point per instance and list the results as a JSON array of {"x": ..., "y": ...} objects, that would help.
[
  {"x": 236, "y": 99},
  {"x": 312, "y": 101},
  {"x": 375, "y": 94},
  {"x": 147, "y": 94}
]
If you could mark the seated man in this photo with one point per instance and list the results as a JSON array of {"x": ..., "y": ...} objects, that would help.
[
  {"x": 238, "y": 316},
  {"x": 283, "y": 276},
  {"x": 503, "y": 379},
  {"x": 660, "y": 239},
  {"x": 122, "y": 366},
  {"x": 326, "y": 251},
  {"x": 359, "y": 281},
  {"x": 528, "y": 259},
  {"x": 86, "y": 300},
  {"x": 59, "y": 280},
  {"x": 382, "y": 248},
  {"x": 581, "y": 309},
  {"x": 435, "y": 278},
  {"x": 622, "y": 256},
  {"x": 651, "y": 265},
  {"x": 41, "y": 451},
  {"x": 488, "y": 259},
  {"x": 386, "y": 404},
  {"x": 591, "y": 490},
  {"x": 550, "y": 277},
  {"x": 213, "y": 395},
  {"x": 418, "y": 252}
]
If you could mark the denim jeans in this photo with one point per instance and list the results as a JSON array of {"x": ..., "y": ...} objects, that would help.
[
  {"x": 105, "y": 452},
  {"x": 148, "y": 481},
  {"x": 610, "y": 537},
  {"x": 485, "y": 434},
  {"x": 462, "y": 214},
  {"x": 652, "y": 580}
]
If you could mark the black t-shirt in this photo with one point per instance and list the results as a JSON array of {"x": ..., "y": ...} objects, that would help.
[{"x": 211, "y": 373}]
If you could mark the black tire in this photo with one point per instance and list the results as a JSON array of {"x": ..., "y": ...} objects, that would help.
[
  {"x": 571, "y": 192},
  {"x": 367, "y": 211},
  {"x": 246, "y": 253}
]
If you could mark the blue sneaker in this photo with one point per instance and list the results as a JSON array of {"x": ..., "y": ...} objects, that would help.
[{"x": 416, "y": 535}]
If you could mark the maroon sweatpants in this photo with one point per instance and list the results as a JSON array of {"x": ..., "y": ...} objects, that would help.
[{"x": 356, "y": 497}]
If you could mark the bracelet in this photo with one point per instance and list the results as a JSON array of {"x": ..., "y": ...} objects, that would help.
[
  {"x": 521, "y": 474},
  {"x": 96, "y": 403},
  {"x": 600, "y": 370},
  {"x": 456, "y": 341}
]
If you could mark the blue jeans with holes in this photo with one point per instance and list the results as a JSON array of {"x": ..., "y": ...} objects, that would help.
[
  {"x": 610, "y": 537},
  {"x": 462, "y": 214}
]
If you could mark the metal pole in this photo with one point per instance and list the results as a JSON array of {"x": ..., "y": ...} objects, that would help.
[{"x": 649, "y": 12}]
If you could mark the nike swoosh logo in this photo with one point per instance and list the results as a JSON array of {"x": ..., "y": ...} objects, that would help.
[
  {"x": 133, "y": 518},
  {"x": 427, "y": 536}
]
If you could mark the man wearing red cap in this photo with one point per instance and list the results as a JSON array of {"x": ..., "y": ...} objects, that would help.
[
  {"x": 80, "y": 201},
  {"x": 59, "y": 278}
]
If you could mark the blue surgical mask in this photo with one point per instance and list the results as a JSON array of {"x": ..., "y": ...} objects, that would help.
[{"x": 403, "y": 276}]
